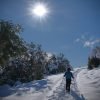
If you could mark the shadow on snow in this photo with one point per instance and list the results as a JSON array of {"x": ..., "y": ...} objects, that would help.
[{"x": 25, "y": 88}]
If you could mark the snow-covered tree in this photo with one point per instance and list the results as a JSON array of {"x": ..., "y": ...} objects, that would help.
[
  {"x": 57, "y": 64},
  {"x": 94, "y": 58},
  {"x": 23, "y": 61},
  {"x": 11, "y": 44}
]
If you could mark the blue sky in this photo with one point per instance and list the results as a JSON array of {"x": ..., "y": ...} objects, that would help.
[{"x": 72, "y": 27}]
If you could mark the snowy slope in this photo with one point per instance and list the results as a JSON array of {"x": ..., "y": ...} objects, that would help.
[
  {"x": 50, "y": 88},
  {"x": 37, "y": 90},
  {"x": 85, "y": 86},
  {"x": 89, "y": 83}
]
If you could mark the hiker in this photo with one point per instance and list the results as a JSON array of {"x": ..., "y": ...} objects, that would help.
[{"x": 68, "y": 75}]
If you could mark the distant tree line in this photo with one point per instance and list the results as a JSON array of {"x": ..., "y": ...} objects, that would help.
[
  {"x": 22, "y": 61},
  {"x": 94, "y": 59}
]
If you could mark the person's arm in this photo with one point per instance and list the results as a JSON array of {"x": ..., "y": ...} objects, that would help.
[{"x": 65, "y": 74}]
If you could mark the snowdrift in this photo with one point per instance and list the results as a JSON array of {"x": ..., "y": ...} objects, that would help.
[{"x": 88, "y": 82}]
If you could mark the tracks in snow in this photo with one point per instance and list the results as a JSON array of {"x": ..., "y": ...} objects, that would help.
[{"x": 60, "y": 94}]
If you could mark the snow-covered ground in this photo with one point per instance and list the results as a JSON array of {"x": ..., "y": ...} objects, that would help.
[
  {"x": 85, "y": 85},
  {"x": 88, "y": 82}
]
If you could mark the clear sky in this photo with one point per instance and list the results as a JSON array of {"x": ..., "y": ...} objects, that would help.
[{"x": 71, "y": 27}]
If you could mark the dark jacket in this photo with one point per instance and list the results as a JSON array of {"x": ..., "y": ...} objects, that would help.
[{"x": 68, "y": 75}]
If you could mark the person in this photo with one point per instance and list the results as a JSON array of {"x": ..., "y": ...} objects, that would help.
[{"x": 68, "y": 75}]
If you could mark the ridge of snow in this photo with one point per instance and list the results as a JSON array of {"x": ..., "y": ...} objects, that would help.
[{"x": 89, "y": 83}]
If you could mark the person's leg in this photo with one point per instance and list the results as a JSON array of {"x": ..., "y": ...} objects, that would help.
[
  {"x": 66, "y": 84},
  {"x": 69, "y": 83}
]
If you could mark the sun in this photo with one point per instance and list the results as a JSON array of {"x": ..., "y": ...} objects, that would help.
[{"x": 39, "y": 10}]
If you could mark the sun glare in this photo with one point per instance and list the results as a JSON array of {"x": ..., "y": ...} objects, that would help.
[{"x": 39, "y": 10}]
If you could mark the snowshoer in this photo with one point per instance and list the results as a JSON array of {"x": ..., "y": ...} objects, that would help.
[{"x": 68, "y": 75}]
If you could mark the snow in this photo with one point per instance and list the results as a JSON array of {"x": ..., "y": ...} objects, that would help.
[
  {"x": 35, "y": 90},
  {"x": 85, "y": 86},
  {"x": 88, "y": 82}
]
